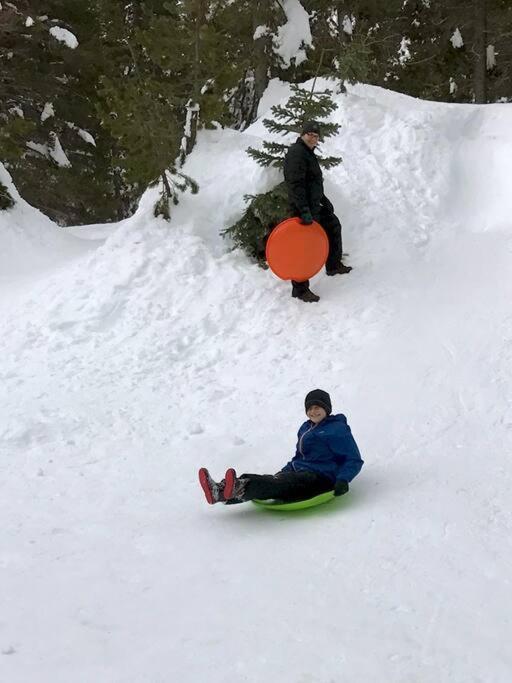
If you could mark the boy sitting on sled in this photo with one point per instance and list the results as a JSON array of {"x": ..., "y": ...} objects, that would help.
[{"x": 326, "y": 459}]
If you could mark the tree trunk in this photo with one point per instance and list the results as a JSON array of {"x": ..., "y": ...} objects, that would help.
[
  {"x": 260, "y": 58},
  {"x": 193, "y": 108},
  {"x": 341, "y": 13},
  {"x": 479, "y": 50},
  {"x": 167, "y": 187}
]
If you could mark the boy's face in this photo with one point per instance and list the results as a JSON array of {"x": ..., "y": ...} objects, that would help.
[{"x": 316, "y": 414}]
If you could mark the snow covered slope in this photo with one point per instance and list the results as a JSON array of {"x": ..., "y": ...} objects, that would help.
[{"x": 149, "y": 351}]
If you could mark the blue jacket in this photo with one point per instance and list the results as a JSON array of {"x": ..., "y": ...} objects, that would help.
[{"x": 328, "y": 448}]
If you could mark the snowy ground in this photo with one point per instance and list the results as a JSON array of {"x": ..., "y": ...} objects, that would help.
[{"x": 133, "y": 354}]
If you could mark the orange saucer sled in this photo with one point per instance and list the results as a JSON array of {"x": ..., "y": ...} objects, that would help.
[{"x": 296, "y": 251}]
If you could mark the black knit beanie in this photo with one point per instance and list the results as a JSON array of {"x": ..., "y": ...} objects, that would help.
[
  {"x": 311, "y": 127},
  {"x": 317, "y": 397}
]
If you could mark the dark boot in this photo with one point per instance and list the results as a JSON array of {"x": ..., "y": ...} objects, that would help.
[
  {"x": 230, "y": 481},
  {"x": 235, "y": 488},
  {"x": 341, "y": 269},
  {"x": 306, "y": 296},
  {"x": 217, "y": 492}
]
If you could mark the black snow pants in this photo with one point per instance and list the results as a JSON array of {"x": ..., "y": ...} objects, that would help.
[
  {"x": 332, "y": 226},
  {"x": 285, "y": 486}
]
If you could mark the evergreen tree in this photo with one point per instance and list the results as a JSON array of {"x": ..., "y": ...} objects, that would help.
[
  {"x": 458, "y": 51},
  {"x": 302, "y": 106},
  {"x": 138, "y": 103},
  {"x": 357, "y": 38},
  {"x": 251, "y": 26},
  {"x": 192, "y": 47},
  {"x": 102, "y": 115},
  {"x": 48, "y": 125},
  {"x": 265, "y": 211}
]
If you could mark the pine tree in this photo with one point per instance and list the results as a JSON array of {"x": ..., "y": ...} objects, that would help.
[
  {"x": 138, "y": 103},
  {"x": 303, "y": 105},
  {"x": 265, "y": 211},
  {"x": 192, "y": 46},
  {"x": 356, "y": 38},
  {"x": 457, "y": 51},
  {"x": 48, "y": 125},
  {"x": 250, "y": 26}
]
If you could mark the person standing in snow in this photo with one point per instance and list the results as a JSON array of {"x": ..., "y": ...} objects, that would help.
[
  {"x": 326, "y": 458},
  {"x": 304, "y": 182}
]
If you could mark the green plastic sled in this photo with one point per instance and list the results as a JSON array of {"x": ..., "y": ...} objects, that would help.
[{"x": 298, "y": 505}]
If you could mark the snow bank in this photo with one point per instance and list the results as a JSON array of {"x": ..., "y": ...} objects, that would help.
[
  {"x": 29, "y": 241},
  {"x": 480, "y": 167}
]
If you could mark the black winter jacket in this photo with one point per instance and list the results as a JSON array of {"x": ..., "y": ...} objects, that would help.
[{"x": 304, "y": 180}]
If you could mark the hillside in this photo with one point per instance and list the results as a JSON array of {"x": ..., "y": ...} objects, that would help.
[{"x": 137, "y": 352}]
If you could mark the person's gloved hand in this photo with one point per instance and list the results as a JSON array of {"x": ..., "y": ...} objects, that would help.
[
  {"x": 341, "y": 487},
  {"x": 306, "y": 218}
]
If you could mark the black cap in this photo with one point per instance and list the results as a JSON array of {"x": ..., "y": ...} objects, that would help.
[
  {"x": 317, "y": 397},
  {"x": 311, "y": 127}
]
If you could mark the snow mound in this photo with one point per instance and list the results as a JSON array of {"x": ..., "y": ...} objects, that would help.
[{"x": 29, "y": 241}]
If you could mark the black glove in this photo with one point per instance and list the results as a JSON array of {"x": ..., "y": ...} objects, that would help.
[
  {"x": 306, "y": 218},
  {"x": 341, "y": 487}
]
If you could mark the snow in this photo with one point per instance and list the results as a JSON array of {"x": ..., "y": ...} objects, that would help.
[
  {"x": 38, "y": 147},
  {"x": 86, "y": 136},
  {"x": 57, "y": 153},
  {"x": 260, "y": 31},
  {"x": 18, "y": 111},
  {"x": 48, "y": 112},
  {"x": 456, "y": 39},
  {"x": 207, "y": 85},
  {"x": 349, "y": 23},
  {"x": 53, "y": 150},
  {"x": 29, "y": 22},
  {"x": 64, "y": 36},
  {"x": 193, "y": 109},
  {"x": 29, "y": 244},
  {"x": 490, "y": 57},
  {"x": 294, "y": 35},
  {"x": 404, "y": 54},
  {"x": 134, "y": 353}
]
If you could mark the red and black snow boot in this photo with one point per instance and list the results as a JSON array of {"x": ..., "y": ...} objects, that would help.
[
  {"x": 217, "y": 492},
  {"x": 229, "y": 484}
]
